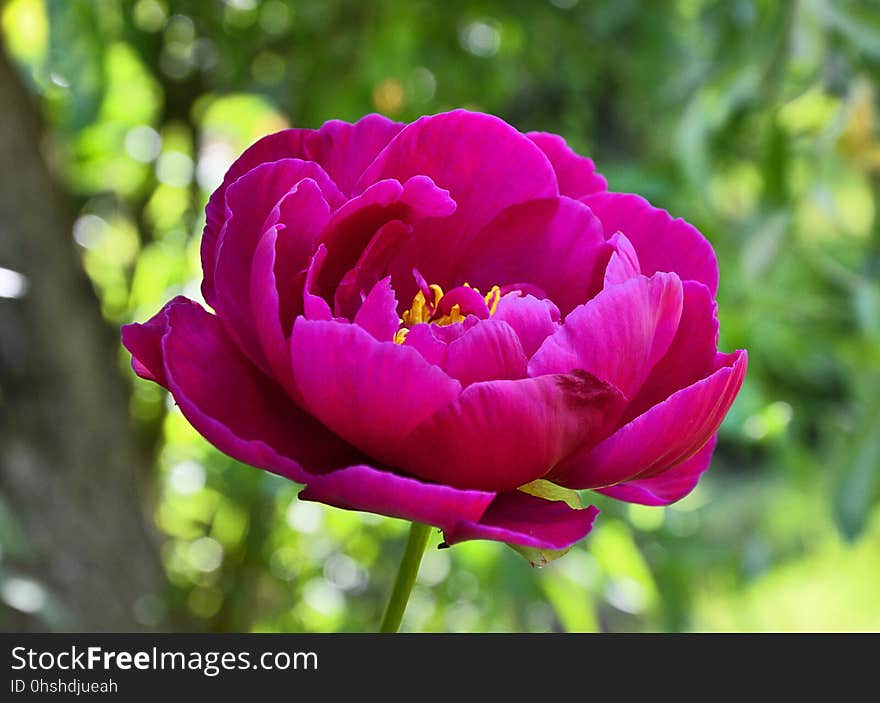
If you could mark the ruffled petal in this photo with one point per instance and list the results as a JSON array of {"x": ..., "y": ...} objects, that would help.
[
  {"x": 666, "y": 435},
  {"x": 251, "y": 200},
  {"x": 286, "y": 144},
  {"x": 518, "y": 518},
  {"x": 503, "y": 434},
  {"x": 234, "y": 406},
  {"x": 619, "y": 335},
  {"x": 370, "y": 393},
  {"x": 371, "y": 267},
  {"x": 662, "y": 243},
  {"x": 378, "y": 491},
  {"x": 576, "y": 174},
  {"x": 344, "y": 150},
  {"x": 556, "y": 244},
  {"x": 378, "y": 314},
  {"x": 667, "y": 487}
]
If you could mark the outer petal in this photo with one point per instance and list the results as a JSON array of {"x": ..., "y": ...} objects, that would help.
[
  {"x": 503, "y": 434},
  {"x": 345, "y": 150},
  {"x": 518, "y": 518},
  {"x": 576, "y": 174},
  {"x": 235, "y": 407},
  {"x": 690, "y": 357},
  {"x": 281, "y": 255},
  {"x": 556, "y": 244},
  {"x": 342, "y": 149},
  {"x": 667, "y": 487},
  {"x": 619, "y": 335},
  {"x": 251, "y": 200},
  {"x": 386, "y": 493},
  {"x": 286, "y": 144},
  {"x": 370, "y": 393},
  {"x": 666, "y": 435},
  {"x": 663, "y": 243},
  {"x": 144, "y": 342},
  {"x": 484, "y": 162}
]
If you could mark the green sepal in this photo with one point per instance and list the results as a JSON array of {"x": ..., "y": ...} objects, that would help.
[{"x": 542, "y": 488}]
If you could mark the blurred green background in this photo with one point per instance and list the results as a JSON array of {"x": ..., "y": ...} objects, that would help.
[{"x": 754, "y": 119}]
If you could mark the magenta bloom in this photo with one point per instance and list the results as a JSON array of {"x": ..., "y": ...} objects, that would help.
[{"x": 419, "y": 320}]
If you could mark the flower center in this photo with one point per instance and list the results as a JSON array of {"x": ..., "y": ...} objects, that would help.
[{"x": 431, "y": 305}]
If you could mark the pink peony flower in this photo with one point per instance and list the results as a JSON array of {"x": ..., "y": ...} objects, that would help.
[{"x": 439, "y": 321}]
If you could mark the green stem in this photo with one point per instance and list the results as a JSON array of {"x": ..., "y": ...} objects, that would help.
[{"x": 406, "y": 576}]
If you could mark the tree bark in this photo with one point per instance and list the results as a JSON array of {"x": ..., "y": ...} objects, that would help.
[{"x": 72, "y": 472}]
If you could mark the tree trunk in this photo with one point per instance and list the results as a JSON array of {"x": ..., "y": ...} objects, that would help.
[{"x": 72, "y": 473}]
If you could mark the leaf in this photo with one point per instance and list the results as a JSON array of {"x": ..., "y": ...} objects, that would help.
[
  {"x": 75, "y": 60},
  {"x": 857, "y": 488},
  {"x": 548, "y": 491}
]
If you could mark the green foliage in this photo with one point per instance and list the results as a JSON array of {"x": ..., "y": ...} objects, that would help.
[{"x": 756, "y": 120}]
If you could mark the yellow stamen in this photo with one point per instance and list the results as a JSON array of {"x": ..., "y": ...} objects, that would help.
[
  {"x": 422, "y": 311},
  {"x": 492, "y": 298}
]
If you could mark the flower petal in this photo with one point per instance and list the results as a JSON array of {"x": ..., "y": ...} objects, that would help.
[
  {"x": 662, "y": 243},
  {"x": 378, "y": 491},
  {"x": 533, "y": 320},
  {"x": 371, "y": 267},
  {"x": 378, "y": 314},
  {"x": 144, "y": 343},
  {"x": 236, "y": 408},
  {"x": 344, "y": 150},
  {"x": 370, "y": 393},
  {"x": 490, "y": 350},
  {"x": 425, "y": 339},
  {"x": 691, "y": 355},
  {"x": 486, "y": 165},
  {"x": 666, "y": 435},
  {"x": 518, "y": 518},
  {"x": 576, "y": 174},
  {"x": 314, "y": 306},
  {"x": 619, "y": 335},
  {"x": 556, "y": 244},
  {"x": 279, "y": 260},
  {"x": 666, "y": 487},
  {"x": 286, "y": 144},
  {"x": 251, "y": 200},
  {"x": 624, "y": 261},
  {"x": 353, "y": 226},
  {"x": 499, "y": 435},
  {"x": 473, "y": 155}
]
